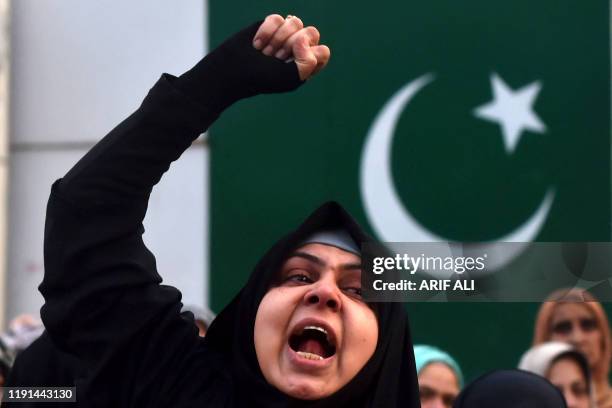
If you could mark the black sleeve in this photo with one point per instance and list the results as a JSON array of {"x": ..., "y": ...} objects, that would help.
[{"x": 104, "y": 301}]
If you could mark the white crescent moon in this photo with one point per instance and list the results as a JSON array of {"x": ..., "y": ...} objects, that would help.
[{"x": 384, "y": 209}]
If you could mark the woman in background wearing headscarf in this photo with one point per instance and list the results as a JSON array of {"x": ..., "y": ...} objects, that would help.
[
  {"x": 575, "y": 316},
  {"x": 566, "y": 368},
  {"x": 297, "y": 334},
  {"x": 440, "y": 378},
  {"x": 510, "y": 389}
]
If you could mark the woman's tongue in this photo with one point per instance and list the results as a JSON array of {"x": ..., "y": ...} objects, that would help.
[{"x": 312, "y": 346}]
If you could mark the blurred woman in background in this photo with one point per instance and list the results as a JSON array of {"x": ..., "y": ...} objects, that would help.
[
  {"x": 566, "y": 368},
  {"x": 576, "y": 317},
  {"x": 439, "y": 375}
]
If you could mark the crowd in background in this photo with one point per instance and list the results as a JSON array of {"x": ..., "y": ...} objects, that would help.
[
  {"x": 569, "y": 360},
  {"x": 28, "y": 357}
]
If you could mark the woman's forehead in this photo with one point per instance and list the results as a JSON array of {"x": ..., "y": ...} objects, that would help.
[
  {"x": 566, "y": 364},
  {"x": 565, "y": 311}
]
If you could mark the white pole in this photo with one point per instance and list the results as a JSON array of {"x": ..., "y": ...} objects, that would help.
[{"x": 4, "y": 142}]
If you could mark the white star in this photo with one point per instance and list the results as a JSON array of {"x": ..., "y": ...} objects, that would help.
[{"x": 513, "y": 110}]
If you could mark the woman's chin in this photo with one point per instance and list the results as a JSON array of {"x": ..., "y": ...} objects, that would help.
[{"x": 306, "y": 389}]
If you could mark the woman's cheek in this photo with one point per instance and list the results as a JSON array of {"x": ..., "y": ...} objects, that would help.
[
  {"x": 273, "y": 316},
  {"x": 363, "y": 321}
]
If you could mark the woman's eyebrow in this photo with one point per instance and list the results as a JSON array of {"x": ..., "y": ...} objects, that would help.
[
  {"x": 350, "y": 266},
  {"x": 309, "y": 257},
  {"x": 315, "y": 259}
]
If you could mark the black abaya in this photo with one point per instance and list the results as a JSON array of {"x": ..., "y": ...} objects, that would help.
[{"x": 41, "y": 364}]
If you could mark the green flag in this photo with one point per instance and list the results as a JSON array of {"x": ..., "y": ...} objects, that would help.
[
  {"x": 477, "y": 121},
  {"x": 468, "y": 121}
]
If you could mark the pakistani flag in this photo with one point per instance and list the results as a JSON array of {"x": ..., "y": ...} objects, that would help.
[{"x": 438, "y": 120}]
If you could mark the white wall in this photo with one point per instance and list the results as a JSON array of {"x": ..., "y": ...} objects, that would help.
[{"x": 78, "y": 68}]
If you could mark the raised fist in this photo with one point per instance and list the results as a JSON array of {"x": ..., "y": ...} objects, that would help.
[{"x": 288, "y": 38}]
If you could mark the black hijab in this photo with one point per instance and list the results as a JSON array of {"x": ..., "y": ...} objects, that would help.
[
  {"x": 387, "y": 380},
  {"x": 511, "y": 389}
]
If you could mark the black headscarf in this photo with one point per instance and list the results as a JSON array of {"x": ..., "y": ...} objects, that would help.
[
  {"x": 387, "y": 380},
  {"x": 511, "y": 389}
]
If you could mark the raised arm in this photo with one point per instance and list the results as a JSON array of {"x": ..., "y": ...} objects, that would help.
[{"x": 103, "y": 298}]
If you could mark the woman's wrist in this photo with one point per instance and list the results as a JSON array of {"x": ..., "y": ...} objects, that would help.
[{"x": 236, "y": 70}]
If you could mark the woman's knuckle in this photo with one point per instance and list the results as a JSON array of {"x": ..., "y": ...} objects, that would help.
[
  {"x": 274, "y": 18},
  {"x": 297, "y": 22},
  {"x": 313, "y": 32}
]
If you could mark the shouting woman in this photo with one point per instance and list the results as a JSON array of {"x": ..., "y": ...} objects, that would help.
[{"x": 299, "y": 332}]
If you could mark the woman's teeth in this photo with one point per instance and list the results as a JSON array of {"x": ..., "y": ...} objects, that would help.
[
  {"x": 322, "y": 330},
  {"x": 309, "y": 356}
]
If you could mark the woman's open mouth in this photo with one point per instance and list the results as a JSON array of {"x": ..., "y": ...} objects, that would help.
[{"x": 313, "y": 341}]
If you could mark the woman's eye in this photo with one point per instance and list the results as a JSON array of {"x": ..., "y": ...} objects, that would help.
[
  {"x": 580, "y": 389},
  {"x": 355, "y": 292},
  {"x": 298, "y": 278}
]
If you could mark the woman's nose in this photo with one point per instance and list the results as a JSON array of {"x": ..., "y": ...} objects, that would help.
[
  {"x": 570, "y": 399},
  {"x": 576, "y": 336},
  {"x": 324, "y": 294}
]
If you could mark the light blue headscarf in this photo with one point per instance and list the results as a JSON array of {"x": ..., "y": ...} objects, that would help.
[
  {"x": 338, "y": 238},
  {"x": 424, "y": 355}
]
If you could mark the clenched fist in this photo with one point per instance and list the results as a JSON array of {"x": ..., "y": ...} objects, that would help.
[{"x": 288, "y": 38}]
